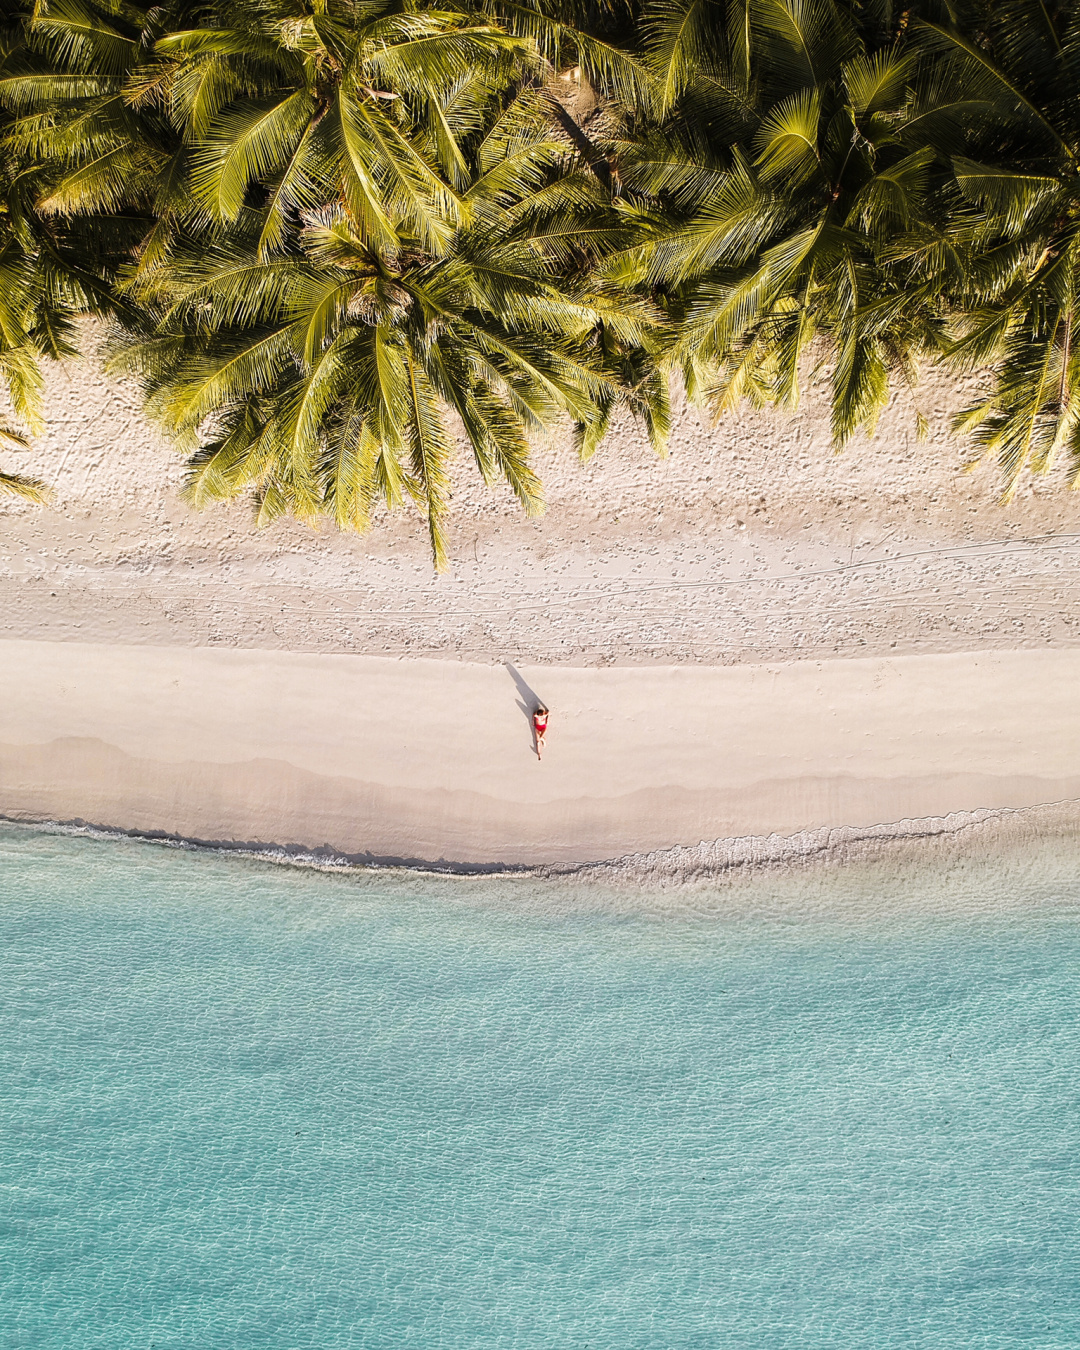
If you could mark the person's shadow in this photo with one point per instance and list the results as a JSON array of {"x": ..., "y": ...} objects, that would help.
[{"x": 529, "y": 701}]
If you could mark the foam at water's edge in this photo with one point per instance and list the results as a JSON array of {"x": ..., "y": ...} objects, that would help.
[
  {"x": 715, "y": 860},
  {"x": 712, "y": 861},
  {"x": 287, "y": 855}
]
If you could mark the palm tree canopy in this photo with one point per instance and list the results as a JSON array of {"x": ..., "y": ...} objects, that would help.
[
  {"x": 333, "y": 232},
  {"x": 898, "y": 183}
]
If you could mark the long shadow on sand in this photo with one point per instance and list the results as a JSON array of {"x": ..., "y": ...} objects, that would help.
[{"x": 530, "y": 700}]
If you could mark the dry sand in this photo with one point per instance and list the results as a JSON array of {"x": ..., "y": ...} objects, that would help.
[{"x": 789, "y": 639}]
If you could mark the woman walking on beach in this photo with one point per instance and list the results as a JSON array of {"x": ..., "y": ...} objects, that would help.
[{"x": 540, "y": 721}]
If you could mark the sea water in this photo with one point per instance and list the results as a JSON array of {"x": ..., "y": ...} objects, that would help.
[{"x": 247, "y": 1106}]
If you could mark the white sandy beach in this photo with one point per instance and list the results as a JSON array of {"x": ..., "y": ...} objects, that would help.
[
  {"x": 431, "y": 760},
  {"x": 753, "y": 636}
]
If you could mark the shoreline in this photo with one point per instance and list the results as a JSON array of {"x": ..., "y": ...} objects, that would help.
[
  {"x": 853, "y": 874},
  {"x": 709, "y": 861}
]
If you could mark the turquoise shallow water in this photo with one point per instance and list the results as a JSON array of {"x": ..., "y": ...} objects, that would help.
[{"x": 244, "y": 1106}]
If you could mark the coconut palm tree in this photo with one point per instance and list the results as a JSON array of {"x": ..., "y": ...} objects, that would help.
[
  {"x": 320, "y": 376},
  {"x": 1007, "y": 256},
  {"x": 351, "y": 217},
  {"x": 296, "y": 106},
  {"x": 769, "y": 198},
  {"x": 885, "y": 183}
]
